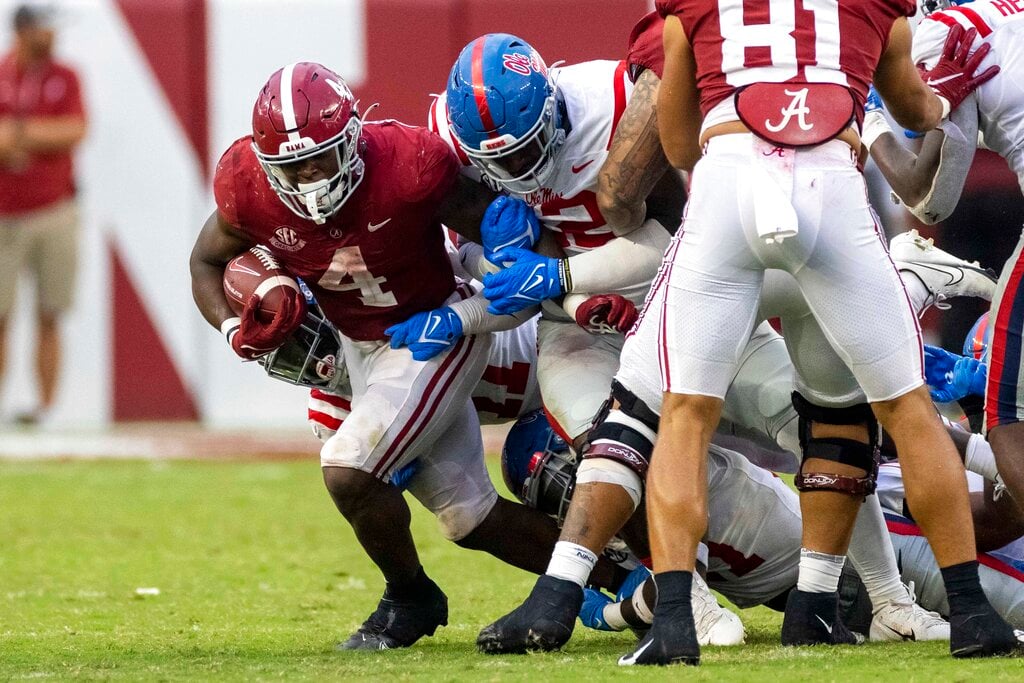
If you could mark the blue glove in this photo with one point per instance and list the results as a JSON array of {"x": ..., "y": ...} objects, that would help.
[
  {"x": 951, "y": 377},
  {"x": 592, "y": 610},
  {"x": 874, "y": 101},
  {"x": 530, "y": 279},
  {"x": 428, "y": 333},
  {"x": 508, "y": 223},
  {"x": 401, "y": 477},
  {"x": 632, "y": 582}
]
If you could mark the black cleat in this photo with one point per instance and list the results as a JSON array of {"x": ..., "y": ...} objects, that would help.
[
  {"x": 671, "y": 640},
  {"x": 543, "y": 622},
  {"x": 400, "y": 623},
  {"x": 983, "y": 633},
  {"x": 813, "y": 619}
]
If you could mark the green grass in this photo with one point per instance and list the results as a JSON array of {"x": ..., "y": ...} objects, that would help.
[{"x": 259, "y": 577}]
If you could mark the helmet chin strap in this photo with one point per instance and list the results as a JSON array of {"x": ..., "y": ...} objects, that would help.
[{"x": 312, "y": 193}]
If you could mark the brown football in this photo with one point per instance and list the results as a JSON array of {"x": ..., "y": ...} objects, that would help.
[{"x": 257, "y": 272}]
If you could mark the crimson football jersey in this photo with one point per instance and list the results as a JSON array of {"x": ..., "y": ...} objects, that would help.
[
  {"x": 785, "y": 41},
  {"x": 381, "y": 258},
  {"x": 645, "y": 49}
]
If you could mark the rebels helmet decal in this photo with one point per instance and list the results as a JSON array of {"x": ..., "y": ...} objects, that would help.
[{"x": 305, "y": 133}]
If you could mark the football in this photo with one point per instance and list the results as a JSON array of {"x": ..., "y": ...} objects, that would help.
[{"x": 257, "y": 272}]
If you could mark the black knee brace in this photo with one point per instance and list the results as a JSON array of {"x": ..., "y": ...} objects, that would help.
[
  {"x": 622, "y": 443},
  {"x": 844, "y": 451}
]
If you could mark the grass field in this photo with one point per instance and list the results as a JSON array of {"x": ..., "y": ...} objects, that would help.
[{"x": 259, "y": 577}]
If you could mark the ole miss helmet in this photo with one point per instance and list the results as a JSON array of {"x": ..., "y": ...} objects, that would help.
[
  {"x": 306, "y": 114},
  {"x": 977, "y": 341},
  {"x": 505, "y": 112},
  {"x": 537, "y": 465}
]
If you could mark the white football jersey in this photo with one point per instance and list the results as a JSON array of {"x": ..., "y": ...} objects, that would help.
[
  {"x": 595, "y": 95},
  {"x": 1001, "y": 100},
  {"x": 508, "y": 388},
  {"x": 754, "y": 529}
]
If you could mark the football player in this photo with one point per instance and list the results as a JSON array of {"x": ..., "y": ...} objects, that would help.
[
  {"x": 930, "y": 183},
  {"x": 780, "y": 141},
  {"x": 355, "y": 209},
  {"x": 757, "y": 404}
]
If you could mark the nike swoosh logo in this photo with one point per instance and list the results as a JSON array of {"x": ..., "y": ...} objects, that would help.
[
  {"x": 371, "y": 227},
  {"x": 828, "y": 626},
  {"x": 577, "y": 169},
  {"x": 943, "y": 80},
  {"x": 433, "y": 327},
  {"x": 630, "y": 659}
]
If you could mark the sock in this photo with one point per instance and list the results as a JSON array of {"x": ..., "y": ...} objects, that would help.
[
  {"x": 872, "y": 556},
  {"x": 819, "y": 572},
  {"x": 571, "y": 562},
  {"x": 673, "y": 591},
  {"x": 918, "y": 293},
  {"x": 963, "y": 587},
  {"x": 410, "y": 590},
  {"x": 980, "y": 459}
]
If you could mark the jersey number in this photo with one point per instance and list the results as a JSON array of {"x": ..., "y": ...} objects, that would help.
[
  {"x": 348, "y": 262},
  {"x": 770, "y": 28},
  {"x": 514, "y": 380}
]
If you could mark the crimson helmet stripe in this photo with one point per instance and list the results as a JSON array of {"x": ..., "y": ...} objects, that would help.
[
  {"x": 479, "y": 89},
  {"x": 287, "y": 105}
]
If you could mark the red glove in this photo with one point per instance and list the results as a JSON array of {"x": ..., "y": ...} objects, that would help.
[
  {"x": 606, "y": 314},
  {"x": 953, "y": 78},
  {"x": 251, "y": 339}
]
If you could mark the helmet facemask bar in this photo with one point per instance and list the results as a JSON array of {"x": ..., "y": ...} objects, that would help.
[
  {"x": 545, "y": 134},
  {"x": 311, "y": 357},
  {"x": 551, "y": 481},
  {"x": 319, "y": 200},
  {"x": 930, "y": 6}
]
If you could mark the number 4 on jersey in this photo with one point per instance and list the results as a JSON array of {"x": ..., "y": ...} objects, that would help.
[{"x": 348, "y": 262}]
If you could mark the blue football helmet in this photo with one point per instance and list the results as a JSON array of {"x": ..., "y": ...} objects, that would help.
[
  {"x": 977, "y": 342},
  {"x": 538, "y": 466},
  {"x": 505, "y": 111},
  {"x": 929, "y": 6}
]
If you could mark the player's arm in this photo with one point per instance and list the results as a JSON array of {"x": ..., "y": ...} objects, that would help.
[
  {"x": 678, "y": 109},
  {"x": 929, "y": 182},
  {"x": 51, "y": 134},
  {"x": 635, "y": 161},
  {"x": 218, "y": 243},
  {"x": 910, "y": 101},
  {"x": 464, "y": 206}
]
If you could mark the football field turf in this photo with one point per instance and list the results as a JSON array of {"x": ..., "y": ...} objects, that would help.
[{"x": 248, "y": 573}]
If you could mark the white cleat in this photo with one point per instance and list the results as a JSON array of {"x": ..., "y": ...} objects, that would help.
[
  {"x": 944, "y": 275},
  {"x": 906, "y": 620},
  {"x": 716, "y": 625}
]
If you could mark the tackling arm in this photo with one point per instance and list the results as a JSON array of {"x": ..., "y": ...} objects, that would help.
[
  {"x": 635, "y": 161},
  {"x": 911, "y": 102},
  {"x": 463, "y": 209},
  {"x": 218, "y": 243},
  {"x": 679, "y": 99},
  {"x": 930, "y": 182}
]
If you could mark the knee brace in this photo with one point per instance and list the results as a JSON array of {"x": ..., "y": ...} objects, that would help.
[
  {"x": 844, "y": 451},
  {"x": 624, "y": 435}
]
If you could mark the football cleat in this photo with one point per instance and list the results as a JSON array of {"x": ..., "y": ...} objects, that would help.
[
  {"x": 944, "y": 275},
  {"x": 715, "y": 624},
  {"x": 813, "y": 619},
  {"x": 904, "y": 619},
  {"x": 671, "y": 640},
  {"x": 983, "y": 633},
  {"x": 400, "y": 623},
  {"x": 543, "y": 622}
]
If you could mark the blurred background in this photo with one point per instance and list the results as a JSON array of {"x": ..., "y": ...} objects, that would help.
[{"x": 169, "y": 84}]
